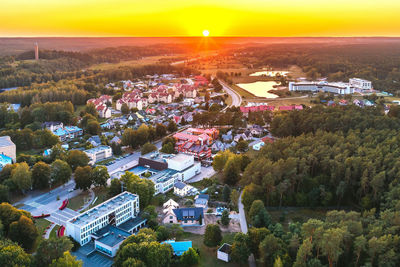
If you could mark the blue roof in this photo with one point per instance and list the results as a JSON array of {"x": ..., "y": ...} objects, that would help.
[
  {"x": 111, "y": 235},
  {"x": 179, "y": 247},
  {"x": 186, "y": 214},
  {"x": 180, "y": 185},
  {"x": 205, "y": 196}
]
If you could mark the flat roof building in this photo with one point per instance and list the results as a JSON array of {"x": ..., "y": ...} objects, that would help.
[
  {"x": 98, "y": 153},
  {"x": 114, "y": 211}
]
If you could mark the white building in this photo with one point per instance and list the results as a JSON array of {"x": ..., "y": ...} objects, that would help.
[
  {"x": 182, "y": 189},
  {"x": 7, "y": 147},
  {"x": 184, "y": 164},
  {"x": 98, "y": 153},
  {"x": 224, "y": 252},
  {"x": 360, "y": 84},
  {"x": 336, "y": 88},
  {"x": 114, "y": 211}
]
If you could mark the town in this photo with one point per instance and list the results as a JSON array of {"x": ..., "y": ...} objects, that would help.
[{"x": 231, "y": 156}]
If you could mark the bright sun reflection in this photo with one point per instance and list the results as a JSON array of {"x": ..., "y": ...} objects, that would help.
[{"x": 206, "y": 33}]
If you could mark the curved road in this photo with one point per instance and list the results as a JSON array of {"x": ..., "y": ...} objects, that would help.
[{"x": 236, "y": 98}]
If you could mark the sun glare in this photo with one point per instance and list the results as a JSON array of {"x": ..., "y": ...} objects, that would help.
[{"x": 206, "y": 33}]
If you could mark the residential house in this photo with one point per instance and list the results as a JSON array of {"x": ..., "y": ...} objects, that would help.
[
  {"x": 182, "y": 189},
  {"x": 257, "y": 146},
  {"x": 188, "y": 216},
  {"x": 201, "y": 201},
  {"x": 94, "y": 140}
]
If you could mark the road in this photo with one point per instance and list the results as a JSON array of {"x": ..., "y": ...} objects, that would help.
[
  {"x": 50, "y": 201},
  {"x": 243, "y": 226},
  {"x": 236, "y": 98}
]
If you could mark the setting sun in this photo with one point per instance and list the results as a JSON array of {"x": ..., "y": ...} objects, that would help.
[{"x": 206, "y": 33}]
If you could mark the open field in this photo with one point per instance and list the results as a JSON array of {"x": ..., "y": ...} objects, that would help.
[
  {"x": 139, "y": 62},
  {"x": 78, "y": 201},
  {"x": 208, "y": 256}
]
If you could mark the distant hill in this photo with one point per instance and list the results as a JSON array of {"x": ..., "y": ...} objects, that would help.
[{"x": 13, "y": 46}]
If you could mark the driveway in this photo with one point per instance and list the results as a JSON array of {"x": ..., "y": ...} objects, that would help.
[{"x": 205, "y": 172}]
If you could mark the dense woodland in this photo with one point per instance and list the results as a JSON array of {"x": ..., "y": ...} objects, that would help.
[
  {"x": 343, "y": 158},
  {"x": 377, "y": 62}
]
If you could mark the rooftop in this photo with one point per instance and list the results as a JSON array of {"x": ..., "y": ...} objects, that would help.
[
  {"x": 180, "y": 185},
  {"x": 188, "y": 213},
  {"x": 131, "y": 223},
  {"x": 96, "y": 149},
  {"x": 5, "y": 141},
  {"x": 111, "y": 235},
  {"x": 102, "y": 209}
]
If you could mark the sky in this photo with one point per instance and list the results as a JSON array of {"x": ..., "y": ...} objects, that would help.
[{"x": 147, "y": 18}]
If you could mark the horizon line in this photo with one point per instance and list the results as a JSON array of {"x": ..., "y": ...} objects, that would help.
[{"x": 200, "y": 36}]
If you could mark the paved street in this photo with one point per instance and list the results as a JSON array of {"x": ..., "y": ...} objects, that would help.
[
  {"x": 205, "y": 172},
  {"x": 236, "y": 98},
  {"x": 47, "y": 202},
  {"x": 243, "y": 226}
]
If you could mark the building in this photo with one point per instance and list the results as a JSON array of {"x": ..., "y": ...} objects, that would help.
[
  {"x": 201, "y": 201},
  {"x": 98, "y": 153},
  {"x": 360, "y": 84},
  {"x": 166, "y": 169},
  {"x": 108, "y": 239},
  {"x": 185, "y": 216},
  {"x": 84, "y": 227},
  {"x": 63, "y": 133},
  {"x": 170, "y": 204},
  {"x": 178, "y": 247},
  {"x": 182, "y": 189},
  {"x": 257, "y": 146},
  {"x": 7, "y": 147},
  {"x": 224, "y": 252},
  {"x": 336, "y": 88}
]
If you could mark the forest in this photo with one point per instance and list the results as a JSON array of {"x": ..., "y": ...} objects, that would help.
[{"x": 342, "y": 158}]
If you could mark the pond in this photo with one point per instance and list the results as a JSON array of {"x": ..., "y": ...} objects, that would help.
[
  {"x": 269, "y": 73},
  {"x": 259, "y": 89}
]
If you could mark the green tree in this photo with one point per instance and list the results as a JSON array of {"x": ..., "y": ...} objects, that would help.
[
  {"x": 161, "y": 130},
  {"x": 212, "y": 235},
  {"x": 168, "y": 148},
  {"x": 83, "y": 179},
  {"x": 226, "y": 193},
  {"x": 114, "y": 188},
  {"x": 99, "y": 176},
  {"x": 23, "y": 232},
  {"x": 67, "y": 260},
  {"x": 240, "y": 249},
  {"x": 91, "y": 109},
  {"x": 93, "y": 127},
  {"x": 4, "y": 193},
  {"x": 22, "y": 176},
  {"x": 77, "y": 158},
  {"x": 231, "y": 172},
  {"x": 143, "y": 187},
  {"x": 60, "y": 171},
  {"x": 270, "y": 248},
  {"x": 147, "y": 148},
  {"x": 256, "y": 236},
  {"x": 234, "y": 197},
  {"x": 124, "y": 109},
  {"x": 41, "y": 175},
  {"x": 189, "y": 258},
  {"x": 225, "y": 217},
  {"x": 331, "y": 244},
  {"x": 278, "y": 262},
  {"x": 220, "y": 160},
  {"x": 51, "y": 249},
  {"x": 242, "y": 146},
  {"x": 171, "y": 127},
  {"x": 150, "y": 214},
  {"x": 13, "y": 255},
  {"x": 258, "y": 215}
]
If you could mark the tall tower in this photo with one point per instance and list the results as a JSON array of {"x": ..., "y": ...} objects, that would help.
[{"x": 36, "y": 51}]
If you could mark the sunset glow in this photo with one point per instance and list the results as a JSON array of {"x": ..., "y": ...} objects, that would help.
[
  {"x": 190, "y": 18},
  {"x": 206, "y": 33}
]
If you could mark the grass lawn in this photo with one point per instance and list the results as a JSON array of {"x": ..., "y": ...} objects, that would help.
[
  {"x": 103, "y": 162},
  {"x": 101, "y": 195},
  {"x": 78, "y": 201},
  {"x": 208, "y": 256},
  {"x": 53, "y": 233},
  {"x": 41, "y": 225}
]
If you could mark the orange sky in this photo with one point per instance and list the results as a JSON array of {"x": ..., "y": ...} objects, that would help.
[{"x": 191, "y": 17}]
